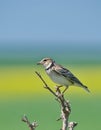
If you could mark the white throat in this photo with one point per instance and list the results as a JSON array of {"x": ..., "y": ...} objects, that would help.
[{"x": 48, "y": 66}]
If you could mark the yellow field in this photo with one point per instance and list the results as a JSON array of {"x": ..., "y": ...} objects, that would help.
[
  {"x": 18, "y": 81},
  {"x": 22, "y": 92}
]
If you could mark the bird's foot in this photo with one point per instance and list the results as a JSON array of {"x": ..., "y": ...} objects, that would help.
[
  {"x": 59, "y": 86},
  {"x": 58, "y": 91},
  {"x": 64, "y": 90}
]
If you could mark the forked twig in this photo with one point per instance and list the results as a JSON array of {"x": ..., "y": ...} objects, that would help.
[
  {"x": 71, "y": 125},
  {"x": 65, "y": 106},
  {"x": 32, "y": 125}
]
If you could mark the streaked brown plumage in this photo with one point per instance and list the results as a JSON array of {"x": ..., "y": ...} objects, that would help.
[{"x": 60, "y": 75}]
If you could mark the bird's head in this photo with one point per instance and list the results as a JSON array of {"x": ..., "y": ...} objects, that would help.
[{"x": 46, "y": 62}]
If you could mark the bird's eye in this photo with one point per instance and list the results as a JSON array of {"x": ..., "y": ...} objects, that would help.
[{"x": 45, "y": 60}]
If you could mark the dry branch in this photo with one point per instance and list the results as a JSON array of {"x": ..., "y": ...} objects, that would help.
[
  {"x": 32, "y": 125},
  {"x": 71, "y": 125},
  {"x": 65, "y": 106}
]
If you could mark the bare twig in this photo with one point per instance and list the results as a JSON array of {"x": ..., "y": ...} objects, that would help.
[
  {"x": 71, "y": 125},
  {"x": 65, "y": 106},
  {"x": 65, "y": 109},
  {"x": 46, "y": 86},
  {"x": 32, "y": 125}
]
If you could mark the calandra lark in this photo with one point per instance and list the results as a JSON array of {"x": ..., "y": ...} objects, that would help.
[{"x": 60, "y": 75}]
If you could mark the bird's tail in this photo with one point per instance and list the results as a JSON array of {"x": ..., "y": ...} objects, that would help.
[{"x": 86, "y": 88}]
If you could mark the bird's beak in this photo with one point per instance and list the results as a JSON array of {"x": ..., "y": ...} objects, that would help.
[{"x": 39, "y": 63}]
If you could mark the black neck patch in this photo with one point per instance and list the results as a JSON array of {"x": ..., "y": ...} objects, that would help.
[{"x": 50, "y": 66}]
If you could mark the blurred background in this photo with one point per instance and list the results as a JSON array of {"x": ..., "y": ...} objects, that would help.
[{"x": 67, "y": 31}]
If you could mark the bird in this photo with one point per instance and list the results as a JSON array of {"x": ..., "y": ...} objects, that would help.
[{"x": 61, "y": 75}]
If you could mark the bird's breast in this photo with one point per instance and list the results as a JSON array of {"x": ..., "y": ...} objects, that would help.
[{"x": 57, "y": 78}]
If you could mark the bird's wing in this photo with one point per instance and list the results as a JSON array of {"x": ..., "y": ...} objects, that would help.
[{"x": 67, "y": 74}]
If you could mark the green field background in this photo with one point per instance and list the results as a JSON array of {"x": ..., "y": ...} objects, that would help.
[{"x": 22, "y": 92}]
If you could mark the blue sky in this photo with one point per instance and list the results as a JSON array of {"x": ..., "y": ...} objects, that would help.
[{"x": 50, "y": 20}]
